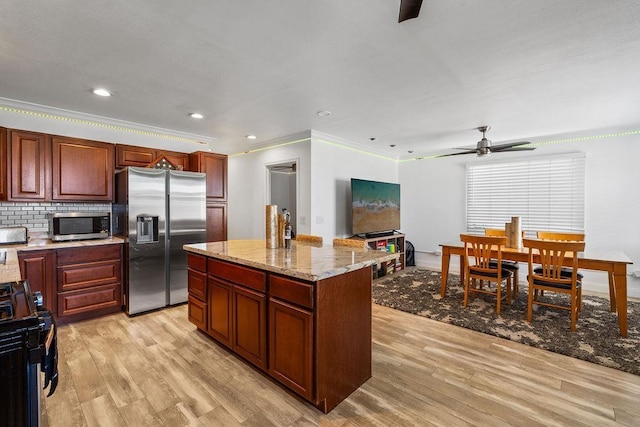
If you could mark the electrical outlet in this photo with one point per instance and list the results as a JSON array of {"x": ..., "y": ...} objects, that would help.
[
  {"x": 319, "y": 220},
  {"x": 303, "y": 220}
]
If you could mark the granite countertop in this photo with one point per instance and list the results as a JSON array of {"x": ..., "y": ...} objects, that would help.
[
  {"x": 305, "y": 261},
  {"x": 10, "y": 270}
]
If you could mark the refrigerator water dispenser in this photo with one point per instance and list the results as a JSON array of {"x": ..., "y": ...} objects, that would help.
[{"x": 147, "y": 228}]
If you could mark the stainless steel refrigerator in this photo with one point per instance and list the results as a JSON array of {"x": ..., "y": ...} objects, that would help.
[{"x": 158, "y": 211}]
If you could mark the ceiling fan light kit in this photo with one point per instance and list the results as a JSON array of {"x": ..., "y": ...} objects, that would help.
[{"x": 485, "y": 148}]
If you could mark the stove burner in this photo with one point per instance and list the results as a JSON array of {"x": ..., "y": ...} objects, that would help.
[
  {"x": 6, "y": 289},
  {"x": 6, "y": 310}
]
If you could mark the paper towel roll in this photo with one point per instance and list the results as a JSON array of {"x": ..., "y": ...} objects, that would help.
[{"x": 271, "y": 226}]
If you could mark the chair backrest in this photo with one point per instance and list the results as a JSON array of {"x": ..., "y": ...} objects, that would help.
[
  {"x": 552, "y": 258},
  {"x": 565, "y": 237},
  {"x": 349, "y": 243},
  {"x": 497, "y": 232},
  {"x": 309, "y": 238},
  {"x": 479, "y": 248},
  {"x": 494, "y": 232}
]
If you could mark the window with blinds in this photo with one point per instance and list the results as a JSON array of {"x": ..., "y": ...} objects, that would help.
[{"x": 546, "y": 193}]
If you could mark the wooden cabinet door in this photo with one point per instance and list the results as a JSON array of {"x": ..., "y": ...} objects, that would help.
[
  {"x": 216, "y": 222},
  {"x": 250, "y": 328},
  {"x": 38, "y": 267},
  {"x": 215, "y": 166},
  {"x": 291, "y": 346},
  {"x": 29, "y": 166},
  {"x": 220, "y": 311},
  {"x": 82, "y": 170},
  {"x": 129, "y": 155},
  {"x": 3, "y": 163},
  {"x": 176, "y": 158}
]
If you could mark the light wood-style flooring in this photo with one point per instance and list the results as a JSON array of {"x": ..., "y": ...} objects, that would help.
[{"x": 156, "y": 369}]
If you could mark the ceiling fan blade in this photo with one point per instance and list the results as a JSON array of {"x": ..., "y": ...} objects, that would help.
[
  {"x": 458, "y": 154},
  {"x": 409, "y": 9},
  {"x": 513, "y": 149},
  {"x": 502, "y": 147}
]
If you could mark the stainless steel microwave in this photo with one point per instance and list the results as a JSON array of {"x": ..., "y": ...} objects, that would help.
[{"x": 79, "y": 225}]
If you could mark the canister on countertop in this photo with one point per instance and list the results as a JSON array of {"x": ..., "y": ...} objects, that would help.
[{"x": 271, "y": 226}]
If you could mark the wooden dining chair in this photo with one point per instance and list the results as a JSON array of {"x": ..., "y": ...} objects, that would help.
[
  {"x": 562, "y": 237},
  {"x": 548, "y": 275},
  {"x": 478, "y": 268},
  {"x": 508, "y": 264}
]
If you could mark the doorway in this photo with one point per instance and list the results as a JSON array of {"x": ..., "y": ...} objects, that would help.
[{"x": 283, "y": 188}]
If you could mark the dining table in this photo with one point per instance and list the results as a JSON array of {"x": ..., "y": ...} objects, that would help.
[{"x": 613, "y": 262}]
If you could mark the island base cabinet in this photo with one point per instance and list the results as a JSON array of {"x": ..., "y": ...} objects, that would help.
[
  {"x": 197, "y": 313},
  {"x": 291, "y": 347},
  {"x": 237, "y": 320},
  {"x": 249, "y": 334},
  {"x": 313, "y": 337},
  {"x": 220, "y": 320}
]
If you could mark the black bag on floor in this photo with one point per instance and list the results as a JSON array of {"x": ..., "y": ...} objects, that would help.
[{"x": 410, "y": 258}]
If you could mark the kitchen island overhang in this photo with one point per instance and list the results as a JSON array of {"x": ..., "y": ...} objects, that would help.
[{"x": 301, "y": 315}]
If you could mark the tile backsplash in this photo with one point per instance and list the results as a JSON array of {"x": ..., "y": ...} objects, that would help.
[{"x": 33, "y": 214}]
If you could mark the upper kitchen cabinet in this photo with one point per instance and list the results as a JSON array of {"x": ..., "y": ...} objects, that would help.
[
  {"x": 3, "y": 164},
  {"x": 176, "y": 158},
  {"x": 129, "y": 155},
  {"x": 28, "y": 167},
  {"x": 215, "y": 166},
  {"x": 82, "y": 170}
]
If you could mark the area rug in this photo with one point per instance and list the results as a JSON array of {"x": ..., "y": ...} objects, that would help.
[{"x": 596, "y": 340}]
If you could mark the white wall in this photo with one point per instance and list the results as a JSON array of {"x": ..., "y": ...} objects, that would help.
[
  {"x": 433, "y": 199},
  {"x": 325, "y": 169},
  {"x": 248, "y": 187},
  {"x": 333, "y": 166}
]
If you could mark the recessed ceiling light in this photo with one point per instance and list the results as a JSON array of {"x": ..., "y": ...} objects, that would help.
[
  {"x": 324, "y": 113},
  {"x": 196, "y": 116},
  {"x": 251, "y": 137},
  {"x": 101, "y": 92}
]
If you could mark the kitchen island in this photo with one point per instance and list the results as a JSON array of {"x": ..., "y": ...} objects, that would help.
[{"x": 300, "y": 315}]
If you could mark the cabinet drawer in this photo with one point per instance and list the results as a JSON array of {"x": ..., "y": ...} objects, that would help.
[
  {"x": 88, "y": 254},
  {"x": 291, "y": 290},
  {"x": 244, "y": 276},
  {"x": 79, "y": 276},
  {"x": 82, "y": 301},
  {"x": 198, "y": 313},
  {"x": 197, "y": 283},
  {"x": 197, "y": 262}
]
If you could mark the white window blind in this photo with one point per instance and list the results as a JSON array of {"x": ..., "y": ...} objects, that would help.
[{"x": 546, "y": 193}]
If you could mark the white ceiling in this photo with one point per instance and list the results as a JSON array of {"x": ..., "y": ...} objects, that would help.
[{"x": 527, "y": 68}]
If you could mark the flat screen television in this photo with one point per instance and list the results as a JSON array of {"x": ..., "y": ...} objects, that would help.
[{"x": 375, "y": 207}]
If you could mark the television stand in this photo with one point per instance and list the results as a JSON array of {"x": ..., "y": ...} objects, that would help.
[
  {"x": 390, "y": 242},
  {"x": 379, "y": 234}
]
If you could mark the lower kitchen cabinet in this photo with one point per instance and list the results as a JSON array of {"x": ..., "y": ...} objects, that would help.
[
  {"x": 237, "y": 319},
  {"x": 220, "y": 310},
  {"x": 89, "y": 281},
  {"x": 250, "y": 326},
  {"x": 78, "y": 282},
  {"x": 38, "y": 267},
  {"x": 312, "y": 337},
  {"x": 291, "y": 346}
]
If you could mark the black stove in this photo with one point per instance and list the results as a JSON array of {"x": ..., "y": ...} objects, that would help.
[{"x": 27, "y": 348}]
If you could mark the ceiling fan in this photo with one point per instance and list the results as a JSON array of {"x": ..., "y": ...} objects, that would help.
[
  {"x": 484, "y": 147},
  {"x": 409, "y": 9}
]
